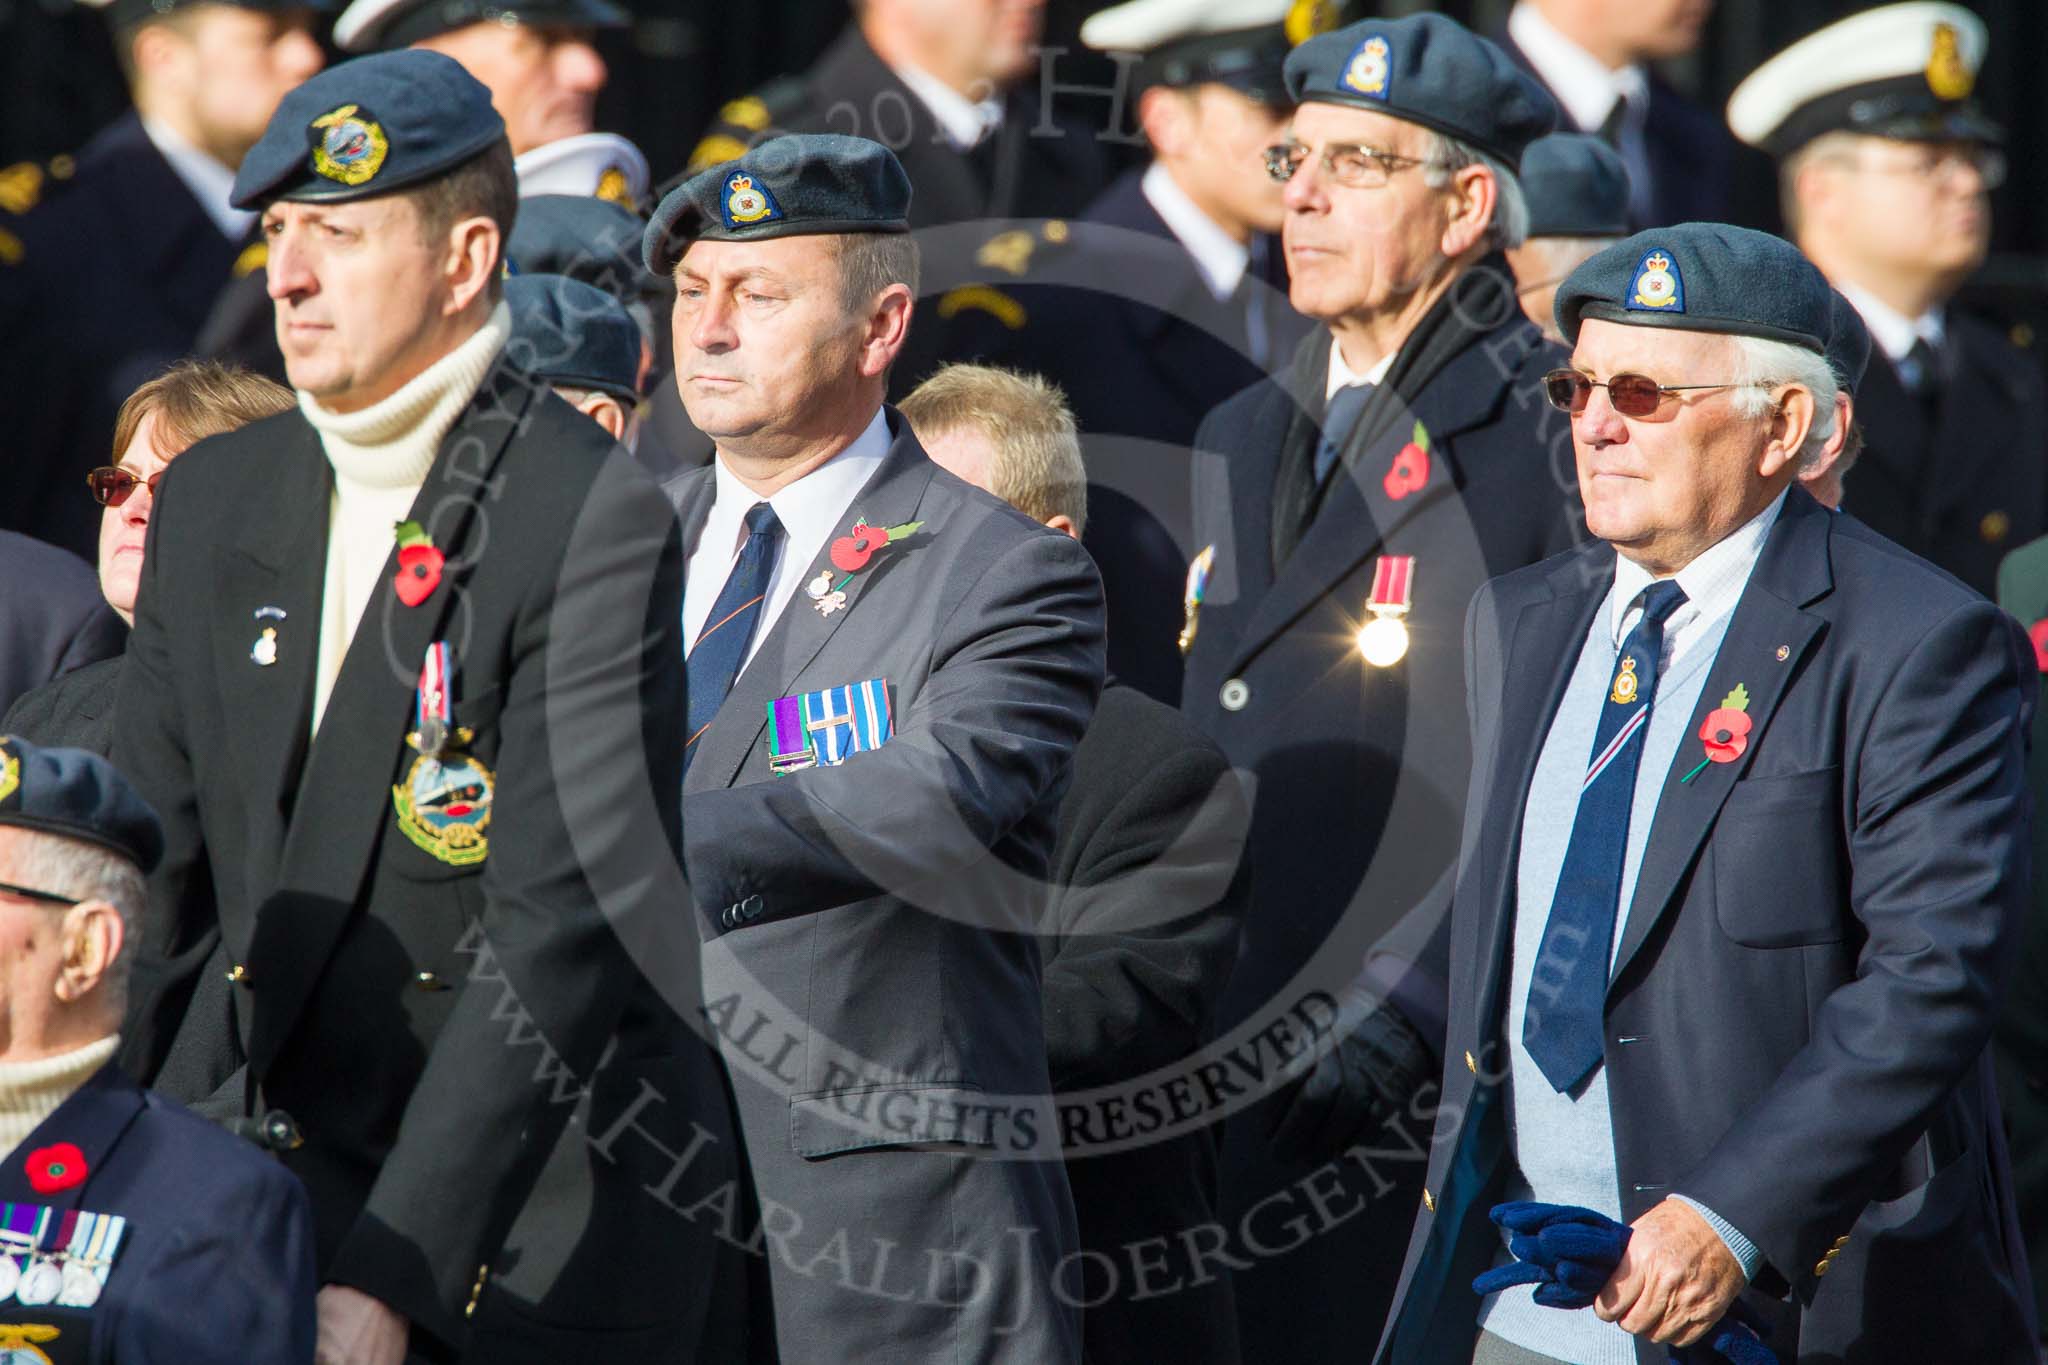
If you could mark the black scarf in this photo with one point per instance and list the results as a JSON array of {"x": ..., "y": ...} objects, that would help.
[{"x": 1477, "y": 304}]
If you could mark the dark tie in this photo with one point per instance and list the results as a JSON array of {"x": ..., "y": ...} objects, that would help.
[
  {"x": 721, "y": 646},
  {"x": 1297, "y": 490},
  {"x": 1920, "y": 371},
  {"x": 1561, "y": 1027},
  {"x": 1342, "y": 415}
]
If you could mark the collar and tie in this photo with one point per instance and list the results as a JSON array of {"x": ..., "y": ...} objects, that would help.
[
  {"x": 1562, "y": 1025},
  {"x": 721, "y": 647}
]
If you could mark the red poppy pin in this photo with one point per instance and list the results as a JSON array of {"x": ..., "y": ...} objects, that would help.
[
  {"x": 56, "y": 1167},
  {"x": 850, "y": 554},
  {"x": 419, "y": 564},
  {"x": 2038, "y": 633},
  {"x": 1725, "y": 732},
  {"x": 1410, "y": 470}
]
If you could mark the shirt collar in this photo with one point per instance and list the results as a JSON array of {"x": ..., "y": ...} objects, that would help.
[
  {"x": 964, "y": 122},
  {"x": 1713, "y": 582},
  {"x": 211, "y": 183},
  {"x": 1583, "y": 84},
  {"x": 812, "y": 508},
  {"x": 1342, "y": 376},
  {"x": 1221, "y": 259},
  {"x": 1892, "y": 330}
]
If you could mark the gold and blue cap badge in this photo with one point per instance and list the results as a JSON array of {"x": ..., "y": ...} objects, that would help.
[
  {"x": 368, "y": 127},
  {"x": 1702, "y": 277},
  {"x": 1427, "y": 69},
  {"x": 77, "y": 795},
  {"x": 801, "y": 184}
]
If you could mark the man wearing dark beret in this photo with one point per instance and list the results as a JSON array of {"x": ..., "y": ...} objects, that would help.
[
  {"x": 1577, "y": 188},
  {"x": 1745, "y": 856},
  {"x": 136, "y": 1231},
  {"x": 889, "y": 671},
  {"x": 1849, "y": 357},
  {"x": 1886, "y": 167},
  {"x": 110, "y": 260},
  {"x": 347, "y": 691},
  {"x": 1402, "y": 457},
  {"x": 583, "y": 343}
]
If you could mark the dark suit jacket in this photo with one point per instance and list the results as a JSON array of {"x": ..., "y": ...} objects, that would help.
[
  {"x": 74, "y": 711},
  {"x": 215, "y": 1265},
  {"x": 879, "y": 915},
  {"x": 1805, "y": 980},
  {"x": 1693, "y": 157},
  {"x": 118, "y": 268},
  {"x": 1116, "y": 313},
  {"x": 52, "y": 617},
  {"x": 1360, "y": 770},
  {"x": 1148, "y": 889},
  {"x": 431, "y": 1025},
  {"x": 1964, "y": 479}
]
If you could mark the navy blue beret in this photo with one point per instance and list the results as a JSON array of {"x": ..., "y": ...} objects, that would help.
[
  {"x": 380, "y": 25},
  {"x": 1702, "y": 277},
  {"x": 121, "y": 13},
  {"x": 368, "y": 127},
  {"x": 1426, "y": 69},
  {"x": 1576, "y": 186},
  {"x": 583, "y": 237},
  {"x": 785, "y": 187},
  {"x": 78, "y": 795},
  {"x": 1848, "y": 341},
  {"x": 571, "y": 333}
]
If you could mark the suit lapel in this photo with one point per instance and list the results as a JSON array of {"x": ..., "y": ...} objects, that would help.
[
  {"x": 344, "y": 796},
  {"x": 276, "y": 562},
  {"x": 890, "y": 498},
  {"x": 92, "y": 1119},
  {"x": 1791, "y": 572}
]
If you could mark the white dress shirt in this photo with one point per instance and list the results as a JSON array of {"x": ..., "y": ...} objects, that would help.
[
  {"x": 1221, "y": 258},
  {"x": 1343, "y": 376},
  {"x": 813, "y": 510},
  {"x": 211, "y": 183},
  {"x": 1713, "y": 584},
  {"x": 1586, "y": 86},
  {"x": 963, "y": 121},
  {"x": 1892, "y": 330}
]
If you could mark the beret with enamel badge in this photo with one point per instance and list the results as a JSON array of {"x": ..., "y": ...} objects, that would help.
[
  {"x": 1576, "y": 185},
  {"x": 368, "y": 127},
  {"x": 1905, "y": 71},
  {"x": 798, "y": 185},
  {"x": 1426, "y": 69},
  {"x": 77, "y": 795},
  {"x": 1702, "y": 277}
]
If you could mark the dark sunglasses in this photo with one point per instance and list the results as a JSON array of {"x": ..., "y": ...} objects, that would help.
[
  {"x": 1633, "y": 395},
  {"x": 30, "y": 893},
  {"x": 111, "y": 484}
]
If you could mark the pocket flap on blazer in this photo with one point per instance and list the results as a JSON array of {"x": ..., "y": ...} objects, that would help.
[{"x": 907, "y": 1115}]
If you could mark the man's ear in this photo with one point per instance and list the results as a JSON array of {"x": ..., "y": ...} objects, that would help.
[
  {"x": 1473, "y": 198},
  {"x": 1064, "y": 524},
  {"x": 606, "y": 411},
  {"x": 475, "y": 256},
  {"x": 93, "y": 938},
  {"x": 1791, "y": 420},
  {"x": 888, "y": 325}
]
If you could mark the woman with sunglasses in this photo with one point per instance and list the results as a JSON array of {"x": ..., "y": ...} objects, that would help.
[{"x": 185, "y": 404}]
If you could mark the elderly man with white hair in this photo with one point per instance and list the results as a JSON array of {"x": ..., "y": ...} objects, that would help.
[
  {"x": 1344, "y": 514},
  {"x": 133, "y": 1230},
  {"x": 1744, "y": 859}
]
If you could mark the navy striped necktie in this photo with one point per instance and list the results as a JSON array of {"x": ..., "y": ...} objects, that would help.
[
  {"x": 721, "y": 646},
  {"x": 1562, "y": 1023}
]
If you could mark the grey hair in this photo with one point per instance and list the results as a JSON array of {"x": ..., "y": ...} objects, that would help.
[
  {"x": 85, "y": 872},
  {"x": 1510, "y": 225},
  {"x": 1761, "y": 365}
]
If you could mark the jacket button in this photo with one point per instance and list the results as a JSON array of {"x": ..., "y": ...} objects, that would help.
[
  {"x": 1429, "y": 1201},
  {"x": 238, "y": 974},
  {"x": 1471, "y": 1064},
  {"x": 1841, "y": 1241},
  {"x": 1822, "y": 1268},
  {"x": 1236, "y": 695},
  {"x": 751, "y": 909},
  {"x": 729, "y": 917},
  {"x": 428, "y": 981},
  {"x": 483, "y": 1273}
]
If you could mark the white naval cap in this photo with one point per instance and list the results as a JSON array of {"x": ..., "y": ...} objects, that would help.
[
  {"x": 1239, "y": 43},
  {"x": 1901, "y": 71},
  {"x": 603, "y": 165}
]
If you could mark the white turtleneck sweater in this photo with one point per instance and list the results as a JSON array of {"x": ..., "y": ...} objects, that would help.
[
  {"x": 380, "y": 457},
  {"x": 31, "y": 1091}
]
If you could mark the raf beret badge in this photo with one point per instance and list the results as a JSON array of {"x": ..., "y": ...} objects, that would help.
[
  {"x": 1657, "y": 287},
  {"x": 747, "y": 202},
  {"x": 349, "y": 145},
  {"x": 1368, "y": 68},
  {"x": 10, "y": 773}
]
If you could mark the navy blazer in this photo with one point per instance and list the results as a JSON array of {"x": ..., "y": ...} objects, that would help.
[
  {"x": 216, "y": 1261},
  {"x": 53, "y": 619},
  {"x": 1806, "y": 977}
]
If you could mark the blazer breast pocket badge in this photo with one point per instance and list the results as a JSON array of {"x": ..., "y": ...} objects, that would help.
[{"x": 828, "y": 726}]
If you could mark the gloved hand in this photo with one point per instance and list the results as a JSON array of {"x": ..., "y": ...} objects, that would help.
[
  {"x": 1570, "y": 1253},
  {"x": 1376, "y": 1066}
]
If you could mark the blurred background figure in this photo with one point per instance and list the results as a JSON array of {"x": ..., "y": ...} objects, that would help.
[
  {"x": 1886, "y": 165},
  {"x": 52, "y": 617},
  {"x": 583, "y": 342},
  {"x": 1168, "y": 295},
  {"x": 114, "y": 257},
  {"x": 1595, "y": 57},
  {"x": 187, "y": 403},
  {"x": 601, "y": 164},
  {"x": 1577, "y": 188},
  {"x": 1146, "y": 889}
]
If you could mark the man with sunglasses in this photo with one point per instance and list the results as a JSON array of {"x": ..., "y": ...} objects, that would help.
[
  {"x": 135, "y": 1230},
  {"x": 1345, "y": 512},
  {"x": 1745, "y": 856},
  {"x": 1885, "y": 167}
]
